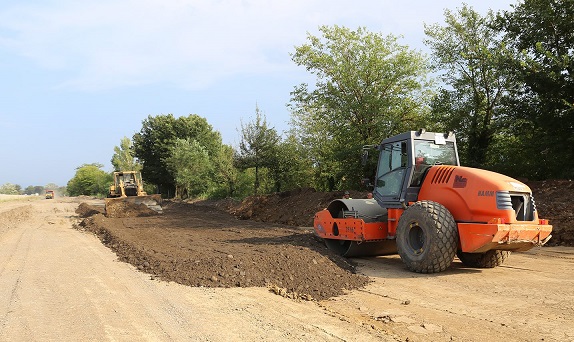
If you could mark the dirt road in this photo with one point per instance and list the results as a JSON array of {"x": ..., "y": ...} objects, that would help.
[
  {"x": 529, "y": 298},
  {"x": 61, "y": 284}
]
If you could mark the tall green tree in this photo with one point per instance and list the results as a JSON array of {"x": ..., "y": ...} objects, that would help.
[
  {"x": 225, "y": 172},
  {"x": 290, "y": 169},
  {"x": 470, "y": 54},
  {"x": 257, "y": 147},
  {"x": 368, "y": 87},
  {"x": 540, "y": 34},
  {"x": 123, "y": 158},
  {"x": 190, "y": 165},
  {"x": 153, "y": 145},
  {"x": 89, "y": 180}
]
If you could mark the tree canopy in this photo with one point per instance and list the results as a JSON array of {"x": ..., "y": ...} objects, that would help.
[
  {"x": 368, "y": 87},
  {"x": 258, "y": 146},
  {"x": 470, "y": 55},
  {"x": 190, "y": 165},
  {"x": 540, "y": 34},
  {"x": 225, "y": 173},
  {"x": 35, "y": 189},
  {"x": 154, "y": 143},
  {"x": 89, "y": 180},
  {"x": 10, "y": 189},
  {"x": 123, "y": 158}
]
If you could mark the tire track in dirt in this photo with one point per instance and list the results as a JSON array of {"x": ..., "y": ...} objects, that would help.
[{"x": 15, "y": 242}]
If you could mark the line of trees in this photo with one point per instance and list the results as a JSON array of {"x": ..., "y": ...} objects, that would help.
[
  {"x": 16, "y": 189},
  {"x": 505, "y": 87},
  {"x": 184, "y": 157}
]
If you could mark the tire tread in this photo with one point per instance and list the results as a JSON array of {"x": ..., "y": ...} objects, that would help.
[
  {"x": 444, "y": 237},
  {"x": 488, "y": 259}
]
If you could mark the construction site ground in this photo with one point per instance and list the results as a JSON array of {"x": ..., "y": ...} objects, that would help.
[{"x": 254, "y": 271}]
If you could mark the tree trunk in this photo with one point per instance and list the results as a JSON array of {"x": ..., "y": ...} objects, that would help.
[{"x": 256, "y": 185}]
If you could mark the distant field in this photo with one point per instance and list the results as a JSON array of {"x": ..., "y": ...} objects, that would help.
[{"x": 5, "y": 198}]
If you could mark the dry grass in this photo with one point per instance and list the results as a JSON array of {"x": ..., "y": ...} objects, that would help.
[{"x": 9, "y": 198}]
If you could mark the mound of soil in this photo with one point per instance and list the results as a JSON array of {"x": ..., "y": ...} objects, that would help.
[
  {"x": 296, "y": 207},
  {"x": 85, "y": 210},
  {"x": 553, "y": 202},
  {"x": 10, "y": 218},
  {"x": 120, "y": 208},
  {"x": 198, "y": 244}
]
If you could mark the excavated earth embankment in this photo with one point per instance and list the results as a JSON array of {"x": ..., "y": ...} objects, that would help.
[
  {"x": 198, "y": 244},
  {"x": 259, "y": 241}
]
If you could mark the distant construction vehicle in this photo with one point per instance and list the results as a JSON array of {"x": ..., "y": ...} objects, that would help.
[
  {"x": 128, "y": 187},
  {"x": 49, "y": 194},
  {"x": 428, "y": 208}
]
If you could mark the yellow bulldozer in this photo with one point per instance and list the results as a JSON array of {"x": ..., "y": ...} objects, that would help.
[{"x": 128, "y": 187}]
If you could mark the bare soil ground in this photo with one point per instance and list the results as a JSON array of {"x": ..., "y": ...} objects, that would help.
[
  {"x": 198, "y": 244},
  {"x": 220, "y": 246},
  {"x": 61, "y": 284}
]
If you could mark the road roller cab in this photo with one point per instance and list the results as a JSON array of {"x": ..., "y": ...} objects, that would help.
[{"x": 428, "y": 208}]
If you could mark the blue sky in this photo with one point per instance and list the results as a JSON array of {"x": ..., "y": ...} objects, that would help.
[{"x": 77, "y": 76}]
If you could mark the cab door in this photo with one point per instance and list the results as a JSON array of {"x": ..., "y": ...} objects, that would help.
[{"x": 391, "y": 173}]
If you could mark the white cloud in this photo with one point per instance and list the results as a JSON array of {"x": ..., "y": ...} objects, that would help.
[
  {"x": 108, "y": 43},
  {"x": 191, "y": 43}
]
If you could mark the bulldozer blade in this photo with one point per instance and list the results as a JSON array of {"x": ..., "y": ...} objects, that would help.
[{"x": 151, "y": 201}]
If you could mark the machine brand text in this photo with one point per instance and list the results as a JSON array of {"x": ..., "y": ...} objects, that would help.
[{"x": 459, "y": 182}]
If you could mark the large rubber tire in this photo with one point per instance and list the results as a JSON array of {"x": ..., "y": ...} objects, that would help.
[
  {"x": 489, "y": 259},
  {"x": 427, "y": 237}
]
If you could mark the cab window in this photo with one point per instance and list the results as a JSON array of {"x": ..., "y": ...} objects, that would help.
[
  {"x": 391, "y": 169},
  {"x": 427, "y": 154}
]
